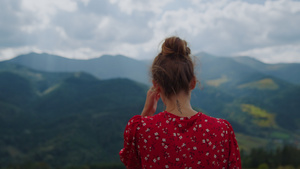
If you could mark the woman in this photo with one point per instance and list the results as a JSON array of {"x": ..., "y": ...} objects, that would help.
[{"x": 179, "y": 137}]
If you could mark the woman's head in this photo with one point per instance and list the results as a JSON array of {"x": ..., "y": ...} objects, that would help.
[{"x": 173, "y": 68}]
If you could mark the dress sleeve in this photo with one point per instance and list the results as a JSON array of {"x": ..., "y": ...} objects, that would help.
[
  {"x": 234, "y": 161},
  {"x": 129, "y": 155}
]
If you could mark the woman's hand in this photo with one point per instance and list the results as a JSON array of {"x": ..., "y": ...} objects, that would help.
[{"x": 151, "y": 102}]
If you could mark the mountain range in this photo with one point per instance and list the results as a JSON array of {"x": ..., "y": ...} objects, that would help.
[
  {"x": 242, "y": 78},
  {"x": 106, "y": 66},
  {"x": 65, "y": 111},
  {"x": 63, "y": 118}
]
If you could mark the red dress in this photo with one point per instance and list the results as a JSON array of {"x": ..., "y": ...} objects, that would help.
[{"x": 169, "y": 141}]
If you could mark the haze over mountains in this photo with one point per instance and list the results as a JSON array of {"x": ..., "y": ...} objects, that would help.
[
  {"x": 104, "y": 67},
  {"x": 107, "y": 66},
  {"x": 63, "y": 111}
]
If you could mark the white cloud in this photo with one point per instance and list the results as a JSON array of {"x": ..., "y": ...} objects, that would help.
[
  {"x": 85, "y": 2},
  {"x": 42, "y": 11},
  {"x": 9, "y": 53},
  {"x": 227, "y": 27},
  {"x": 128, "y": 6},
  {"x": 88, "y": 28},
  {"x": 275, "y": 54},
  {"x": 46, "y": 7}
]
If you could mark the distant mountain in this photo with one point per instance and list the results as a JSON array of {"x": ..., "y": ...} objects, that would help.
[
  {"x": 209, "y": 67},
  {"x": 104, "y": 67},
  {"x": 62, "y": 117},
  {"x": 285, "y": 71},
  {"x": 243, "y": 83},
  {"x": 234, "y": 69},
  {"x": 228, "y": 78},
  {"x": 222, "y": 71}
]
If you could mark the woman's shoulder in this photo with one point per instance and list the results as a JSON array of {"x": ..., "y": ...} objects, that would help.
[
  {"x": 208, "y": 118},
  {"x": 138, "y": 119},
  {"x": 135, "y": 119},
  {"x": 216, "y": 122},
  {"x": 133, "y": 122}
]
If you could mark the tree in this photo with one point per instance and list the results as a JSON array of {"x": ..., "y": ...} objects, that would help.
[{"x": 263, "y": 166}]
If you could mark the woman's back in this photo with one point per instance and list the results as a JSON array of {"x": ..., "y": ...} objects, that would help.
[
  {"x": 169, "y": 141},
  {"x": 179, "y": 137}
]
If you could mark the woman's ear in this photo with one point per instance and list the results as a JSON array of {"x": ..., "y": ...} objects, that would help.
[
  {"x": 193, "y": 83},
  {"x": 156, "y": 86},
  {"x": 154, "y": 83}
]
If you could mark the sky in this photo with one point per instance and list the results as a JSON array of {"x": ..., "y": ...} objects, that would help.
[{"x": 82, "y": 29}]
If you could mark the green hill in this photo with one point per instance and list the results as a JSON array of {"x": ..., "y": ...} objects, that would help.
[
  {"x": 77, "y": 118},
  {"x": 227, "y": 82}
]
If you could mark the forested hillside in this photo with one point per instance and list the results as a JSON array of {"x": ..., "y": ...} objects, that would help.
[{"x": 65, "y": 119}]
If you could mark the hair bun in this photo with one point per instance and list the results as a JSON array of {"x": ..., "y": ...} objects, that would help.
[
  {"x": 174, "y": 46},
  {"x": 173, "y": 68}
]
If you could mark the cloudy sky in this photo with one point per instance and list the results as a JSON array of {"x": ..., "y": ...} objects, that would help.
[{"x": 82, "y": 29}]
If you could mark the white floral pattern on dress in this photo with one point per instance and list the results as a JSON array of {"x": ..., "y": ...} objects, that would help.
[{"x": 179, "y": 142}]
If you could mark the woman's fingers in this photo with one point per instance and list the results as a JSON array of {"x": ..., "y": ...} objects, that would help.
[{"x": 151, "y": 102}]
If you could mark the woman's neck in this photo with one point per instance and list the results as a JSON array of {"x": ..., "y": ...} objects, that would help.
[{"x": 180, "y": 105}]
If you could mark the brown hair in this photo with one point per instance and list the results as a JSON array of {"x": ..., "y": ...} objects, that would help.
[{"x": 173, "y": 68}]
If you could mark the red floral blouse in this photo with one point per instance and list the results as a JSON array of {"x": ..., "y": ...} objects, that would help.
[{"x": 169, "y": 141}]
